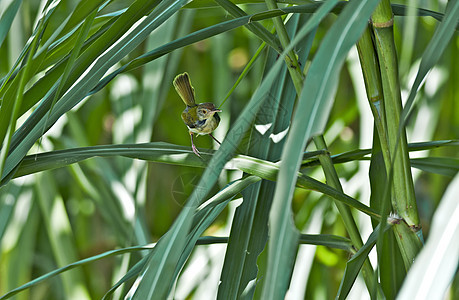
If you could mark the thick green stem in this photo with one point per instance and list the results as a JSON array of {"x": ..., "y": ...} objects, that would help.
[
  {"x": 387, "y": 119},
  {"x": 291, "y": 58},
  {"x": 404, "y": 201},
  {"x": 373, "y": 86}
]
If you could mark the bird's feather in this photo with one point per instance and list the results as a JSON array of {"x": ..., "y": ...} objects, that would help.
[{"x": 182, "y": 84}]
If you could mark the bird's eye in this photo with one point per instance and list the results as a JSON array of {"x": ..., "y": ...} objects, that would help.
[{"x": 204, "y": 111}]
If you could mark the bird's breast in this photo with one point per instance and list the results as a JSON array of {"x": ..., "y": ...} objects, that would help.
[{"x": 203, "y": 127}]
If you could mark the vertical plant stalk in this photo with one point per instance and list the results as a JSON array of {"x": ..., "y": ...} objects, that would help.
[
  {"x": 291, "y": 59},
  {"x": 380, "y": 166},
  {"x": 373, "y": 86},
  {"x": 394, "y": 147},
  {"x": 404, "y": 200}
]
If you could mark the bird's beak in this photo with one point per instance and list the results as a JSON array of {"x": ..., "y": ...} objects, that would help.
[{"x": 217, "y": 110}]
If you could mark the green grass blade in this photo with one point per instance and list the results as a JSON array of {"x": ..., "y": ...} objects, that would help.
[
  {"x": 433, "y": 52},
  {"x": 440, "y": 165},
  {"x": 354, "y": 265},
  {"x": 72, "y": 266},
  {"x": 11, "y": 108},
  {"x": 169, "y": 153},
  {"x": 7, "y": 18},
  {"x": 109, "y": 36},
  {"x": 83, "y": 32},
  {"x": 398, "y": 9},
  {"x": 12, "y": 81},
  {"x": 180, "y": 155},
  {"x": 83, "y": 9},
  {"x": 244, "y": 72},
  {"x": 360, "y": 154},
  {"x": 328, "y": 240}
]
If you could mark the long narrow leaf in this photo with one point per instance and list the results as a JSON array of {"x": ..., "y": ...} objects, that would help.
[
  {"x": 433, "y": 52},
  {"x": 354, "y": 265},
  {"x": 7, "y": 18}
]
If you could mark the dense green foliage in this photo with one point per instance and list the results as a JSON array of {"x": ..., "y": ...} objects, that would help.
[{"x": 324, "y": 185}]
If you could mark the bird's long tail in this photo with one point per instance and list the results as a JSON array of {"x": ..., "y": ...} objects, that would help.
[{"x": 182, "y": 84}]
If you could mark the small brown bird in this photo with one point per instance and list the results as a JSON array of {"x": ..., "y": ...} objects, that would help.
[{"x": 200, "y": 118}]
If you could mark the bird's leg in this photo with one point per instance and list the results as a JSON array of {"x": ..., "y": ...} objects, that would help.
[
  {"x": 195, "y": 150},
  {"x": 215, "y": 139}
]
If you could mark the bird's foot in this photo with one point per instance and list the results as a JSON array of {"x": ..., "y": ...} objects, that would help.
[{"x": 195, "y": 150}]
